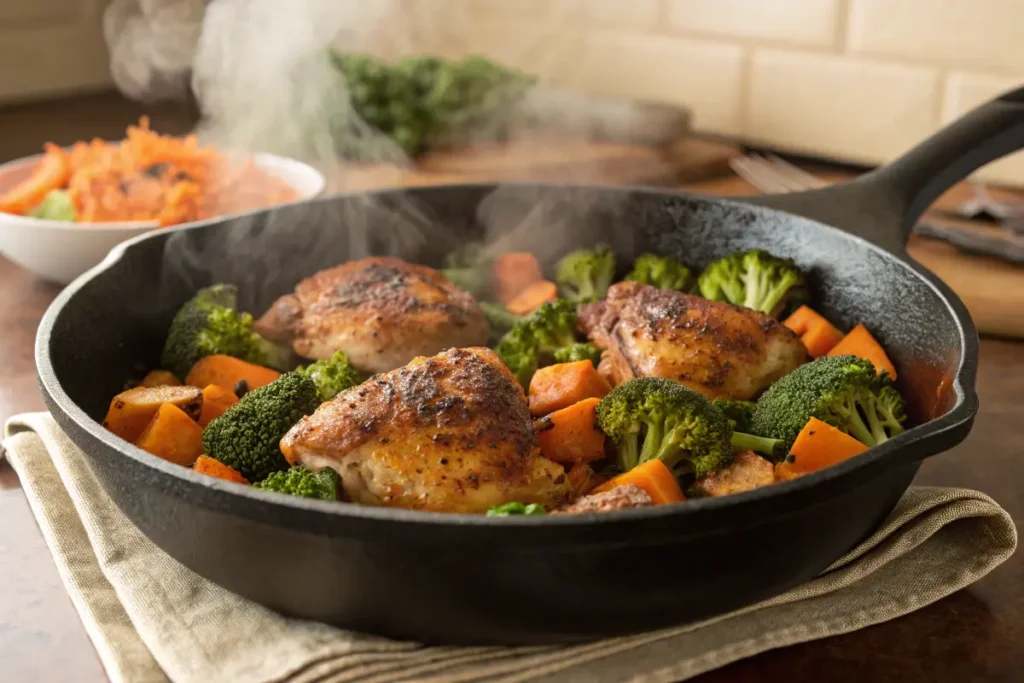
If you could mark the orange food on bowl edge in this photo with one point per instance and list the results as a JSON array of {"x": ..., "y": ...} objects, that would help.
[{"x": 147, "y": 177}]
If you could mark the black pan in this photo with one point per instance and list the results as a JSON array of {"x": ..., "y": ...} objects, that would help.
[{"x": 475, "y": 579}]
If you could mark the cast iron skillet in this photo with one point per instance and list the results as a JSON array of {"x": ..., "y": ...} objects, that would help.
[{"x": 475, "y": 579}]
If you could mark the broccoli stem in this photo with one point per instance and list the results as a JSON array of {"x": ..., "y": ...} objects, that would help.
[
  {"x": 653, "y": 438},
  {"x": 877, "y": 430},
  {"x": 858, "y": 429},
  {"x": 758, "y": 444},
  {"x": 628, "y": 452}
]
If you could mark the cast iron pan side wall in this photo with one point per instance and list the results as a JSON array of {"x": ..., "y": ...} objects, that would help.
[{"x": 468, "y": 582}]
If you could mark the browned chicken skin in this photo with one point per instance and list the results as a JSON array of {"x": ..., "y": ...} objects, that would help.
[
  {"x": 720, "y": 350},
  {"x": 450, "y": 433},
  {"x": 381, "y": 311}
]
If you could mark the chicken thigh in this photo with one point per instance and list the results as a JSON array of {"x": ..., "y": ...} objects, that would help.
[
  {"x": 450, "y": 433},
  {"x": 381, "y": 311},
  {"x": 720, "y": 350}
]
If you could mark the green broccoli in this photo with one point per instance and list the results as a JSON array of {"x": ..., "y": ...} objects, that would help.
[
  {"x": 469, "y": 269},
  {"x": 586, "y": 274},
  {"x": 499, "y": 320},
  {"x": 299, "y": 481},
  {"x": 208, "y": 324},
  {"x": 332, "y": 376},
  {"x": 843, "y": 391},
  {"x": 533, "y": 342},
  {"x": 516, "y": 508},
  {"x": 662, "y": 272},
  {"x": 578, "y": 352},
  {"x": 738, "y": 413},
  {"x": 247, "y": 436},
  {"x": 755, "y": 279},
  {"x": 651, "y": 417}
]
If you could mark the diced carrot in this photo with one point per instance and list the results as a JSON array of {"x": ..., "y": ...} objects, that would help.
[
  {"x": 216, "y": 401},
  {"x": 227, "y": 371},
  {"x": 859, "y": 342},
  {"x": 533, "y": 296},
  {"x": 559, "y": 386},
  {"x": 652, "y": 476},
  {"x": 513, "y": 273},
  {"x": 571, "y": 435},
  {"x": 132, "y": 410},
  {"x": 52, "y": 173},
  {"x": 819, "y": 445},
  {"x": 817, "y": 333},
  {"x": 173, "y": 436},
  {"x": 204, "y": 464},
  {"x": 582, "y": 478},
  {"x": 160, "y": 378}
]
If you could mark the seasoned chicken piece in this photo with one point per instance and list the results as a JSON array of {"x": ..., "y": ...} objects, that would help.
[
  {"x": 450, "y": 433},
  {"x": 618, "y": 498},
  {"x": 381, "y": 311},
  {"x": 746, "y": 472},
  {"x": 712, "y": 347}
]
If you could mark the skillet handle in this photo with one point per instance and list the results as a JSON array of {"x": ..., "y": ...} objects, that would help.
[{"x": 883, "y": 205}]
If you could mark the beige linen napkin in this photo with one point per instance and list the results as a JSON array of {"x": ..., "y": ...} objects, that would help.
[{"x": 152, "y": 619}]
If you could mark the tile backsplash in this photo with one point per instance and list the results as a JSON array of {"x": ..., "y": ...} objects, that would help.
[{"x": 854, "y": 80}]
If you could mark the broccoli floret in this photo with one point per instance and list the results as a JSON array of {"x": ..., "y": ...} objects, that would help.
[
  {"x": 247, "y": 436},
  {"x": 843, "y": 391},
  {"x": 661, "y": 272},
  {"x": 738, "y": 413},
  {"x": 469, "y": 269},
  {"x": 651, "y": 417},
  {"x": 755, "y": 279},
  {"x": 533, "y": 342},
  {"x": 578, "y": 352},
  {"x": 299, "y": 481},
  {"x": 516, "y": 508},
  {"x": 586, "y": 274},
  {"x": 208, "y": 324},
  {"x": 499, "y": 320},
  {"x": 332, "y": 376}
]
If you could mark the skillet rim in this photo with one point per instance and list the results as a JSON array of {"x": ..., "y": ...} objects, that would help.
[{"x": 261, "y": 505}]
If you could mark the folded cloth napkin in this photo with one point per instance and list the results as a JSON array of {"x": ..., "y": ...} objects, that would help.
[{"x": 152, "y": 619}]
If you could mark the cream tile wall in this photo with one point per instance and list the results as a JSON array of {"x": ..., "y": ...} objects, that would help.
[{"x": 857, "y": 80}]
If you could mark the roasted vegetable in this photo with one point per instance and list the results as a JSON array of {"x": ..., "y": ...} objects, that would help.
[
  {"x": 228, "y": 371},
  {"x": 560, "y": 386},
  {"x": 131, "y": 410},
  {"x": 859, "y": 342},
  {"x": 173, "y": 436},
  {"x": 653, "y": 418},
  {"x": 532, "y": 297},
  {"x": 578, "y": 352},
  {"x": 817, "y": 333},
  {"x": 533, "y": 342},
  {"x": 516, "y": 508},
  {"x": 299, "y": 481},
  {"x": 514, "y": 273},
  {"x": 499, "y": 319},
  {"x": 208, "y": 324},
  {"x": 247, "y": 436},
  {"x": 654, "y": 477},
  {"x": 216, "y": 401},
  {"x": 586, "y": 274},
  {"x": 570, "y": 435},
  {"x": 755, "y": 279},
  {"x": 662, "y": 272},
  {"x": 817, "y": 446},
  {"x": 738, "y": 413},
  {"x": 657, "y": 419},
  {"x": 332, "y": 376},
  {"x": 160, "y": 378},
  {"x": 218, "y": 470},
  {"x": 843, "y": 391}
]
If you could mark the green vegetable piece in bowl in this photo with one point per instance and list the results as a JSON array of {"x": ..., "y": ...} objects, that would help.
[
  {"x": 56, "y": 206},
  {"x": 516, "y": 508}
]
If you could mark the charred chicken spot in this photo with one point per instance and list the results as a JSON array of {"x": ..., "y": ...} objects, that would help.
[
  {"x": 473, "y": 481},
  {"x": 384, "y": 439},
  {"x": 441, "y": 439},
  {"x": 368, "y": 427},
  {"x": 443, "y": 461}
]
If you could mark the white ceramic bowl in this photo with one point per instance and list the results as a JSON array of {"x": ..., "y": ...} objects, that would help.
[{"x": 60, "y": 251}]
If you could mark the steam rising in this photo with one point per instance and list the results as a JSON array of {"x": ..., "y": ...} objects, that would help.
[{"x": 262, "y": 81}]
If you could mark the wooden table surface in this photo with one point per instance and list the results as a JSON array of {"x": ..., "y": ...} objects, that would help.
[{"x": 974, "y": 635}]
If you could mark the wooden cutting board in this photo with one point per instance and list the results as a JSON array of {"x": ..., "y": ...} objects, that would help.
[
  {"x": 551, "y": 160},
  {"x": 992, "y": 290}
]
